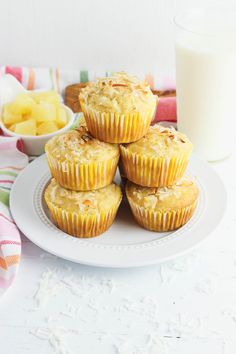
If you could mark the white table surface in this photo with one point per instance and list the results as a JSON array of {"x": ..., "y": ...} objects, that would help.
[{"x": 185, "y": 306}]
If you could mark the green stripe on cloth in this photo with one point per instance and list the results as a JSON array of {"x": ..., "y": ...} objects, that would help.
[
  {"x": 6, "y": 172},
  {"x": 5, "y": 188},
  {"x": 4, "y": 197},
  {"x": 76, "y": 122},
  {"x": 84, "y": 76}
]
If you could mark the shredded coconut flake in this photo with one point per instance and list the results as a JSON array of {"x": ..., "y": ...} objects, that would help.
[
  {"x": 183, "y": 325},
  {"x": 205, "y": 286},
  {"x": 56, "y": 337},
  {"x": 154, "y": 345}
]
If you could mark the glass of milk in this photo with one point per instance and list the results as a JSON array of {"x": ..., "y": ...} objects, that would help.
[{"x": 206, "y": 79}]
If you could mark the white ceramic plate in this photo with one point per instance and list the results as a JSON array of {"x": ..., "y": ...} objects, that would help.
[{"x": 125, "y": 244}]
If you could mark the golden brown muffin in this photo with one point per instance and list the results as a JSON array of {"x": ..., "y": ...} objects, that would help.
[
  {"x": 158, "y": 159},
  {"x": 80, "y": 162},
  {"x": 118, "y": 109},
  {"x": 83, "y": 214},
  {"x": 163, "y": 208}
]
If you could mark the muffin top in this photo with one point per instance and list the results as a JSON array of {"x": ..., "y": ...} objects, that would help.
[
  {"x": 160, "y": 142},
  {"x": 79, "y": 146},
  {"x": 183, "y": 193},
  {"x": 89, "y": 202},
  {"x": 120, "y": 93}
]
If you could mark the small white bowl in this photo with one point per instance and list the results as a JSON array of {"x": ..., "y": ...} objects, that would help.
[{"x": 34, "y": 145}]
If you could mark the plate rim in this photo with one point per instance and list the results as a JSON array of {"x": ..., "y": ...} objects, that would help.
[{"x": 123, "y": 264}]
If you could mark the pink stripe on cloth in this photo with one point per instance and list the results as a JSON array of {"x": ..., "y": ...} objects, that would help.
[
  {"x": 8, "y": 228},
  {"x": 15, "y": 71},
  {"x": 5, "y": 218},
  {"x": 12, "y": 144},
  {"x": 6, "y": 181},
  {"x": 8, "y": 145},
  {"x": 9, "y": 242},
  {"x": 166, "y": 110},
  {"x": 5, "y": 282}
]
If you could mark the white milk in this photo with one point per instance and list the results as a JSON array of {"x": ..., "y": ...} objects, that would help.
[{"x": 206, "y": 90}]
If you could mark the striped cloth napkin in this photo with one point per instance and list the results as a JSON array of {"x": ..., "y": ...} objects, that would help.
[
  {"x": 57, "y": 79},
  {"x": 12, "y": 161}
]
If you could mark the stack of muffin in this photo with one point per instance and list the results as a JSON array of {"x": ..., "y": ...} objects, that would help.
[
  {"x": 81, "y": 197},
  {"x": 161, "y": 197}
]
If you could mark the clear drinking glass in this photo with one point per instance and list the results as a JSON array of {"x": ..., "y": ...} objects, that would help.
[{"x": 205, "y": 50}]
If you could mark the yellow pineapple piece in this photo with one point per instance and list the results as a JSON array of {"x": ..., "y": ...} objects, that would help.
[
  {"x": 44, "y": 112},
  {"x": 10, "y": 117},
  {"x": 61, "y": 117},
  {"x": 22, "y": 104},
  {"x": 12, "y": 127},
  {"x": 26, "y": 128},
  {"x": 26, "y": 116},
  {"x": 47, "y": 96},
  {"x": 47, "y": 128}
]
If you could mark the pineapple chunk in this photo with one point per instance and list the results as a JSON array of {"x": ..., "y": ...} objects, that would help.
[
  {"x": 61, "y": 117},
  {"x": 12, "y": 127},
  {"x": 26, "y": 128},
  {"x": 44, "y": 112},
  {"x": 47, "y": 128},
  {"x": 22, "y": 104},
  {"x": 47, "y": 96},
  {"x": 9, "y": 117}
]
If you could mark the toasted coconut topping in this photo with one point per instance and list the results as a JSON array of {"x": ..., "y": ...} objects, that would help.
[
  {"x": 161, "y": 141},
  {"x": 79, "y": 146},
  {"x": 87, "y": 202},
  {"x": 120, "y": 93}
]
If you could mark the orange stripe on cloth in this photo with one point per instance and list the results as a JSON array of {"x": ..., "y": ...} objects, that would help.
[
  {"x": 11, "y": 168},
  {"x": 150, "y": 80},
  {"x": 9, "y": 260},
  {"x": 31, "y": 80},
  {"x": 58, "y": 80}
]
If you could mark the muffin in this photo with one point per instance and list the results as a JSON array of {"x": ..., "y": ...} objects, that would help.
[
  {"x": 164, "y": 208},
  {"x": 83, "y": 214},
  {"x": 80, "y": 162},
  {"x": 118, "y": 109},
  {"x": 158, "y": 159}
]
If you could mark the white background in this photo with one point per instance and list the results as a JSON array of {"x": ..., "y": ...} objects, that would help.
[
  {"x": 194, "y": 296},
  {"x": 136, "y": 35}
]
